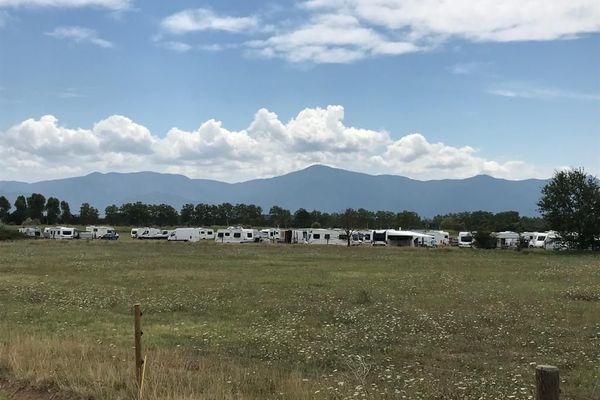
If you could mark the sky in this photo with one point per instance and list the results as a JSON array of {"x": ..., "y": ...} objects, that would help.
[{"x": 241, "y": 89}]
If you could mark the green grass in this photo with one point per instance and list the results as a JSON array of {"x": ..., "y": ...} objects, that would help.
[{"x": 268, "y": 321}]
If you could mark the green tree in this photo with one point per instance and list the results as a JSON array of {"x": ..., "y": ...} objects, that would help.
[
  {"x": 112, "y": 215},
  {"x": 4, "y": 209},
  {"x": 65, "y": 213},
  {"x": 187, "y": 214},
  {"x": 280, "y": 217},
  {"x": 52, "y": 210},
  {"x": 348, "y": 221},
  {"x": 571, "y": 204},
  {"x": 20, "y": 213},
  {"x": 302, "y": 218},
  {"x": 35, "y": 206},
  {"x": 88, "y": 214},
  {"x": 135, "y": 213}
]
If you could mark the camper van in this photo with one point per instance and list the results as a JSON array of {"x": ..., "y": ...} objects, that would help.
[
  {"x": 31, "y": 232},
  {"x": 152, "y": 233},
  {"x": 102, "y": 232},
  {"x": 61, "y": 232},
  {"x": 237, "y": 235},
  {"x": 465, "y": 239}
]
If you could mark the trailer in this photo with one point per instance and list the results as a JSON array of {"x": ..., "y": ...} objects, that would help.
[
  {"x": 102, "y": 232},
  {"x": 237, "y": 235},
  {"x": 61, "y": 232},
  {"x": 326, "y": 236},
  {"x": 507, "y": 239},
  {"x": 184, "y": 235}
]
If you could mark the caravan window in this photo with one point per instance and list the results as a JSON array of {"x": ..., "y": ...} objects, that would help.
[
  {"x": 316, "y": 236},
  {"x": 237, "y": 235},
  {"x": 327, "y": 236},
  {"x": 209, "y": 233},
  {"x": 227, "y": 234},
  {"x": 249, "y": 235},
  {"x": 67, "y": 233},
  {"x": 220, "y": 234},
  {"x": 367, "y": 236}
]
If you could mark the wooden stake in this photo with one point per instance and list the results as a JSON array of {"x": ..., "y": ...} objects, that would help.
[
  {"x": 547, "y": 382},
  {"x": 137, "y": 313}
]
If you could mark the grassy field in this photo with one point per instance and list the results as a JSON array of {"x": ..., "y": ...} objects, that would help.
[{"x": 297, "y": 322}]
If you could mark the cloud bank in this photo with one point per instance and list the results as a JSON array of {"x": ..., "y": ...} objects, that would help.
[
  {"x": 344, "y": 31},
  {"x": 79, "y": 34},
  {"x": 42, "y": 148}
]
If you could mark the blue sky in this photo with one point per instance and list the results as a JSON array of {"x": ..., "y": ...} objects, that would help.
[{"x": 234, "y": 90}]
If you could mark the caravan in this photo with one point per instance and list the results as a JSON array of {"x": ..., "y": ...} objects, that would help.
[
  {"x": 185, "y": 235},
  {"x": 507, "y": 240},
  {"x": 538, "y": 240},
  {"x": 60, "y": 232},
  {"x": 102, "y": 232},
  {"x": 326, "y": 236},
  {"x": 237, "y": 235},
  {"x": 392, "y": 237}
]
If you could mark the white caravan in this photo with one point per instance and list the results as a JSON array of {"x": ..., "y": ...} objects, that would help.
[
  {"x": 101, "y": 231},
  {"x": 237, "y": 235},
  {"x": 61, "y": 232},
  {"x": 465, "y": 239},
  {"x": 392, "y": 237},
  {"x": 507, "y": 240},
  {"x": 442, "y": 238},
  {"x": 185, "y": 235},
  {"x": 31, "y": 232},
  {"x": 134, "y": 232},
  {"x": 293, "y": 236},
  {"x": 152, "y": 233},
  {"x": 554, "y": 241},
  {"x": 528, "y": 236},
  {"x": 206, "y": 233},
  {"x": 326, "y": 236},
  {"x": 538, "y": 240},
  {"x": 269, "y": 235}
]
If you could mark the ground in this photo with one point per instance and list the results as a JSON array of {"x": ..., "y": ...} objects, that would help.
[{"x": 296, "y": 322}]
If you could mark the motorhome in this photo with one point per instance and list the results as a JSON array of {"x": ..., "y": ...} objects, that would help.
[
  {"x": 465, "y": 239},
  {"x": 152, "y": 233},
  {"x": 554, "y": 241},
  {"x": 185, "y": 235},
  {"x": 507, "y": 239},
  {"x": 99, "y": 232},
  {"x": 31, "y": 232},
  {"x": 237, "y": 235},
  {"x": 326, "y": 236},
  {"x": 537, "y": 242},
  {"x": 60, "y": 232}
]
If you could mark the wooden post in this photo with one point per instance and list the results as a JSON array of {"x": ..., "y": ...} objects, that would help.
[
  {"x": 547, "y": 382},
  {"x": 137, "y": 313}
]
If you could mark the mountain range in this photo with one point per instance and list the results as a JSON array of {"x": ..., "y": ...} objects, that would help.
[{"x": 315, "y": 188}]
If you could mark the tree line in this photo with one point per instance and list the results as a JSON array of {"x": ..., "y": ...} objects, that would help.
[{"x": 37, "y": 209}]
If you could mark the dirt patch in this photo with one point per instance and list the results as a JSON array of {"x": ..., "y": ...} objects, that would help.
[{"x": 13, "y": 391}]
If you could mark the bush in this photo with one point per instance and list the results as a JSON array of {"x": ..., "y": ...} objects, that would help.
[
  {"x": 9, "y": 234},
  {"x": 484, "y": 240}
]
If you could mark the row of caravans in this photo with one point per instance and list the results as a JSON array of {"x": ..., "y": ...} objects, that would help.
[
  {"x": 67, "y": 232},
  {"x": 506, "y": 240}
]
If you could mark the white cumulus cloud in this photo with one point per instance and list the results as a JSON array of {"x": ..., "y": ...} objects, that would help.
[{"x": 43, "y": 148}]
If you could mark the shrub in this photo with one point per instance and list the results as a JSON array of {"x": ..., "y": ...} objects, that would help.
[
  {"x": 484, "y": 240},
  {"x": 10, "y": 234}
]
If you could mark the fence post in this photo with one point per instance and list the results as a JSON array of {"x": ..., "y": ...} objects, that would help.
[
  {"x": 547, "y": 382},
  {"x": 137, "y": 313}
]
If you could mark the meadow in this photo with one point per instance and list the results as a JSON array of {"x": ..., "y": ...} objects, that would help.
[{"x": 297, "y": 322}]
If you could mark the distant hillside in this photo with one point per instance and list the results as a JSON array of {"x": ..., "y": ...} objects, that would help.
[{"x": 317, "y": 187}]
